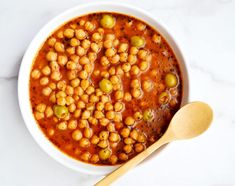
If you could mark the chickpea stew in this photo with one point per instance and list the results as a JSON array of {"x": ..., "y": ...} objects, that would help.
[{"x": 104, "y": 86}]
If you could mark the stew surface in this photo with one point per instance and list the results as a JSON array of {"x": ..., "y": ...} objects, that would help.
[{"x": 104, "y": 86}]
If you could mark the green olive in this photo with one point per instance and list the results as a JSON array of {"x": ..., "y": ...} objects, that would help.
[
  {"x": 106, "y": 85},
  {"x": 171, "y": 80},
  {"x": 137, "y": 41},
  {"x": 60, "y": 111},
  {"x": 104, "y": 154},
  {"x": 164, "y": 98},
  {"x": 107, "y": 21},
  {"x": 148, "y": 115}
]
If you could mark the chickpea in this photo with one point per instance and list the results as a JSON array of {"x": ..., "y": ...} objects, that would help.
[
  {"x": 41, "y": 107},
  {"x": 119, "y": 71},
  {"x": 94, "y": 98},
  {"x": 111, "y": 127},
  {"x": 61, "y": 101},
  {"x": 135, "y": 70},
  {"x": 125, "y": 132},
  {"x": 103, "y": 144},
  {"x": 48, "y": 112},
  {"x": 83, "y": 74},
  {"x": 52, "y": 85},
  {"x": 104, "y": 121},
  {"x": 104, "y": 98},
  {"x": 93, "y": 120},
  {"x": 46, "y": 91},
  {"x": 56, "y": 76},
  {"x": 147, "y": 85},
  {"x": 132, "y": 59},
  {"x": 104, "y": 74},
  {"x": 52, "y": 97},
  {"x": 85, "y": 98},
  {"x": 51, "y": 41},
  {"x": 110, "y": 115},
  {"x": 84, "y": 60},
  {"x": 88, "y": 132},
  {"x": 86, "y": 44},
  {"x": 118, "y": 106},
  {"x": 38, "y": 115},
  {"x": 141, "y": 26},
  {"x": 60, "y": 35},
  {"x": 96, "y": 37},
  {"x": 74, "y": 42},
  {"x": 104, "y": 154},
  {"x": 142, "y": 54},
  {"x": 69, "y": 33},
  {"x": 90, "y": 90},
  {"x": 117, "y": 117},
  {"x": 141, "y": 138},
  {"x": 112, "y": 71},
  {"x": 144, "y": 65},
  {"x": 70, "y": 50},
  {"x": 44, "y": 81},
  {"x": 92, "y": 57},
  {"x": 114, "y": 137},
  {"x": 82, "y": 22},
  {"x": 108, "y": 106},
  {"x": 84, "y": 84},
  {"x": 98, "y": 114},
  {"x": 86, "y": 156},
  {"x": 115, "y": 59},
  {"x": 126, "y": 67},
  {"x": 86, "y": 114},
  {"x": 100, "y": 30},
  {"x": 60, "y": 94},
  {"x": 107, "y": 21},
  {"x": 127, "y": 96},
  {"x": 72, "y": 107},
  {"x": 128, "y": 141},
  {"x": 134, "y": 134},
  {"x": 135, "y": 83},
  {"x": 51, "y": 56},
  {"x": 72, "y": 74},
  {"x": 104, "y": 61},
  {"x": 81, "y": 104},
  {"x": 118, "y": 94},
  {"x": 113, "y": 159},
  {"x": 94, "y": 158},
  {"x": 156, "y": 39},
  {"x": 95, "y": 47},
  {"x": 80, "y": 51},
  {"x": 62, "y": 60},
  {"x": 123, "y": 57},
  {"x": 80, "y": 34},
  {"x": 110, "y": 52},
  {"x": 136, "y": 93},
  {"x": 139, "y": 147},
  {"x": 95, "y": 139},
  {"x": 77, "y": 135},
  {"x": 133, "y": 50},
  {"x": 123, "y": 157},
  {"x": 123, "y": 47},
  {"x": 164, "y": 98},
  {"x": 90, "y": 107},
  {"x": 100, "y": 106},
  {"x": 75, "y": 82},
  {"x": 89, "y": 26},
  {"x": 138, "y": 116},
  {"x": 110, "y": 37},
  {"x": 108, "y": 43},
  {"x": 84, "y": 142},
  {"x": 62, "y": 125},
  {"x": 103, "y": 135},
  {"x": 46, "y": 70},
  {"x": 35, "y": 74},
  {"x": 127, "y": 148},
  {"x": 77, "y": 113},
  {"x": 98, "y": 92},
  {"x": 116, "y": 42},
  {"x": 59, "y": 47},
  {"x": 71, "y": 65},
  {"x": 129, "y": 120}
]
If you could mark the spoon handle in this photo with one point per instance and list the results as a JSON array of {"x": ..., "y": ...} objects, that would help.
[{"x": 132, "y": 163}]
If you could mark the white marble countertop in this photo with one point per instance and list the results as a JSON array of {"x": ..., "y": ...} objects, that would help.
[{"x": 205, "y": 30}]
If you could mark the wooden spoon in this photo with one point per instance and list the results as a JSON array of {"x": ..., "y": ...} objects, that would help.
[{"x": 190, "y": 121}]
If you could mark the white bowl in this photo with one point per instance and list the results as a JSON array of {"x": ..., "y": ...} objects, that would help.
[{"x": 24, "y": 75}]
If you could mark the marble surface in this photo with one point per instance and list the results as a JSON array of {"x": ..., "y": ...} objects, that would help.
[{"x": 206, "y": 31}]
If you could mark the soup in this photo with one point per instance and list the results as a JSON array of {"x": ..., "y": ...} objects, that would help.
[{"x": 104, "y": 87}]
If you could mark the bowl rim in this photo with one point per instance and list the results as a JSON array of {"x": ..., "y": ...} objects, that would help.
[{"x": 32, "y": 50}]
